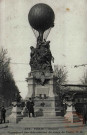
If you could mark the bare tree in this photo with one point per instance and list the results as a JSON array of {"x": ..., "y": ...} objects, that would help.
[
  {"x": 60, "y": 75},
  {"x": 84, "y": 80}
]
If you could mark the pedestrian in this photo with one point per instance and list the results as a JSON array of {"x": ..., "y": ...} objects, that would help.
[
  {"x": 30, "y": 107},
  {"x": 84, "y": 113},
  {"x": 3, "y": 114}
]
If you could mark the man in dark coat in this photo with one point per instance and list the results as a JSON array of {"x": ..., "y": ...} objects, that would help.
[
  {"x": 3, "y": 114},
  {"x": 84, "y": 113},
  {"x": 30, "y": 107}
]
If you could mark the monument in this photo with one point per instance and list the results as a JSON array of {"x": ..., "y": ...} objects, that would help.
[{"x": 40, "y": 79}]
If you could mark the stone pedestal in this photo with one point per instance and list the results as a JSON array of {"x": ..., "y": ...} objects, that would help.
[
  {"x": 16, "y": 113},
  {"x": 44, "y": 97},
  {"x": 71, "y": 114}
]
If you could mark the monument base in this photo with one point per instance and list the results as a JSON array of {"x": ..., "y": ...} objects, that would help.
[
  {"x": 44, "y": 97},
  {"x": 45, "y": 107}
]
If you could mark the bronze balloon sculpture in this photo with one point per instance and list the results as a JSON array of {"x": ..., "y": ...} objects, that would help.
[
  {"x": 41, "y": 18},
  {"x": 41, "y": 77}
]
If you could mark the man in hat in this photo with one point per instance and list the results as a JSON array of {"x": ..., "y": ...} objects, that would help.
[
  {"x": 30, "y": 107},
  {"x": 3, "y": 114}
]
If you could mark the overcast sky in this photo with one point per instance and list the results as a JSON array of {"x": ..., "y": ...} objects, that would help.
[{"x": 68, "y": 37}]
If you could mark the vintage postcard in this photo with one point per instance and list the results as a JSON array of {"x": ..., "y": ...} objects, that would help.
[{"x": 43, "y": 67}]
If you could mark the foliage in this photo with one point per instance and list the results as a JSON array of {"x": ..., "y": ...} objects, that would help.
[
  {"x": 60, "y": 76},
  {"x": 84, "y": 80},
  {"x": 8, "y": 87}
]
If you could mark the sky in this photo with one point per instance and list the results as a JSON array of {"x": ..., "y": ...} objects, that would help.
[{"x": 68, "y": 37}]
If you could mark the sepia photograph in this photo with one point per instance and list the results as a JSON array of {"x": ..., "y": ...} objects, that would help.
[{"x": 43, "y": 67}]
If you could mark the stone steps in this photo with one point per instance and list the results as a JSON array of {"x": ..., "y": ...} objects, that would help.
[
  {"x": 27, "y": 126},
  {"x": 40, "y": 124},
  {"x": 44, "y": 122}
]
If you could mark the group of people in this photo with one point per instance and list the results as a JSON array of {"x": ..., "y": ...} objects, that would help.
[
  {"x": 29, "y": 105},
  {"x": 30, "y": 108}
]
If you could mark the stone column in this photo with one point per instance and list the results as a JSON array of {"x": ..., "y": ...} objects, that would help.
[{"x": 31, "y": 91}]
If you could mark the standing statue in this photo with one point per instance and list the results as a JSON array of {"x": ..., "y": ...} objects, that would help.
[{"x": 41, "y": 57}]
